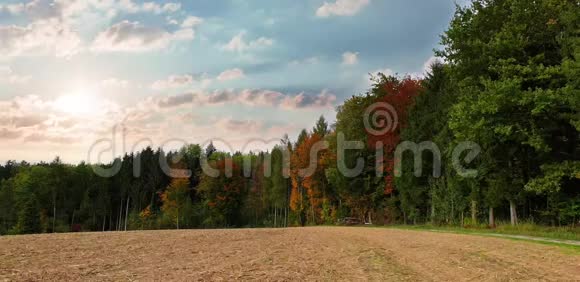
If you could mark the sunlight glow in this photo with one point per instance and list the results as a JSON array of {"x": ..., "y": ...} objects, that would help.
[{"x": 78, "y": 103}]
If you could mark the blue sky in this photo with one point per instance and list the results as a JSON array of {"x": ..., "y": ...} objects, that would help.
[{"x": 170, "y": 71}]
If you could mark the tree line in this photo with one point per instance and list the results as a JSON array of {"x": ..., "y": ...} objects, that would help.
[{"x": 508, "y": 80}]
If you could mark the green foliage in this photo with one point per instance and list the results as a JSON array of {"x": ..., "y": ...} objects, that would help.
[
  {"x": 554, "y": 175},
  {"x": 29, "y": 217}
]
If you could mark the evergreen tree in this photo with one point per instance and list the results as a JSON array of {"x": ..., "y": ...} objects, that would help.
[{"x": 29, "y": 217}]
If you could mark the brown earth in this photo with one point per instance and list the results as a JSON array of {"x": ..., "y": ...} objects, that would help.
[{"x": 315, "y": 253}]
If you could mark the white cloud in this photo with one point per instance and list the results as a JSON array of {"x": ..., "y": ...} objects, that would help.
[
  {"x": 173, "y": 81},
  {"x": 7, "y": 75},
  {"x": 171, "y": 21},
  {"x": 426, "y": 68},
  {"x": 350, "y": 58},
  {"x": 129, "y": 36},
  {"x": 65, "y": 9},
  {"x": 191, "y": 21},
  {"x": 237, "y": 43},
  {"x": 115, "y": 83},
  {"x": 231, "y": 74},
  {"x": 429, "y": 63},
  {"x": 53, "y": 9},
  {"x": 131, "y": 7},
  {"x": 33, "y": 119},
  {"x": 13, "y": 9},
  {"x": 341, "y": 8},
  {"x": 159, "y": 9},
  {"x": 40, "y": 37}
]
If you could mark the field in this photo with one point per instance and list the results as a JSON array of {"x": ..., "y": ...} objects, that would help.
[{"x": 319, "y": 253}]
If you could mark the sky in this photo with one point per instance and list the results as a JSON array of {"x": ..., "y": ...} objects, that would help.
[{"x": 89, "y": 80}]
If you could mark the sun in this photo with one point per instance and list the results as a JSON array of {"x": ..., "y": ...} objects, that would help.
[{"x": 81, "y": 102}]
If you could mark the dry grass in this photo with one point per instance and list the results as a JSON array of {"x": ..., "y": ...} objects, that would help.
[{"x": 317, "y": 253}]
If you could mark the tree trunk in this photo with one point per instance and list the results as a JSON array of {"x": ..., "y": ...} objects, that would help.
[
  {"x": 104, "y": 220},
  {"x": 127, "y": 213},
  {"x": 120, "y": 215},
  {"x": 491, "y": 218},
  {"x": 474, "y": 212},
  {"x": 54, "y": 217},
  {"x": 513, "y": 213},
  {"x": 178, "y": 218}
]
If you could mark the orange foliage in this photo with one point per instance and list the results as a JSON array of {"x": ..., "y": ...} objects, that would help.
[
  {"x": 313, "y": 185},
  {"x": 146, "y": 213},
  {"x": 400, "y": 95}
]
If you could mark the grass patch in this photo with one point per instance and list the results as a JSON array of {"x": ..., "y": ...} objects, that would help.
[
  {"x": 526, "y": 229},
  {"x": 556, "y": 233}
]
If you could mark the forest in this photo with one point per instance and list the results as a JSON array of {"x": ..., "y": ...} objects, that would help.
[{"x": 507, "y": 79}]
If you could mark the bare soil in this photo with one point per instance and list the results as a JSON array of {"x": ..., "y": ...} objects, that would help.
[{"x": 314, "y": 253}]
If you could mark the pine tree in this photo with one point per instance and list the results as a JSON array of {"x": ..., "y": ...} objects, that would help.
[
  {"x": 321, "y": 128},
  {"x": 29, "y": 217}
]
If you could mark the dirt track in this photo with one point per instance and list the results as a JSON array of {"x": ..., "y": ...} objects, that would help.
[{"x": 317, "y": 253}]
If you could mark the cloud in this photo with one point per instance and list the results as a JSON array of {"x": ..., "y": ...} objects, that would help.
[
  {"x": 181, "y": 81},
  {"x": 131, "y": 7},
  {"x": 232, "y": 74},
  {"x": 14, "y": 9},
  {"x": 237, "y": 43},
  {"x": 191, "y": 21},
  {"x": 6, "y": 133},
  {"x": 350, "y": 58},
  {"x": 39, "y": 9},
  {"x": 241, "y": 126},
  {"x": 51, "y": 29},
  {"x": 429, "y": 63},
  {"x": 248, "y": 97},
  {"x": 175, "y": 101},
  {"x": 33, "y": 119},
  {"x": 341, "y": 8},
  {"x": 51, "y": 138},
  {"x": 253, "y": 97},
  {"x": 65, "y": 10},
  {"x": 419, "y": 74},
  {"x": 24, "y": 120},
  {"x": 426, "y": 68},
  {"x": 322, "y": 100},
  {"x": 8, "y": 76},
  {"x": 159, "y": 9},
  {"x": 115, "y": 83},
  {"x": 129, "y": 36},
  {"x": 40, "y": 37}
]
